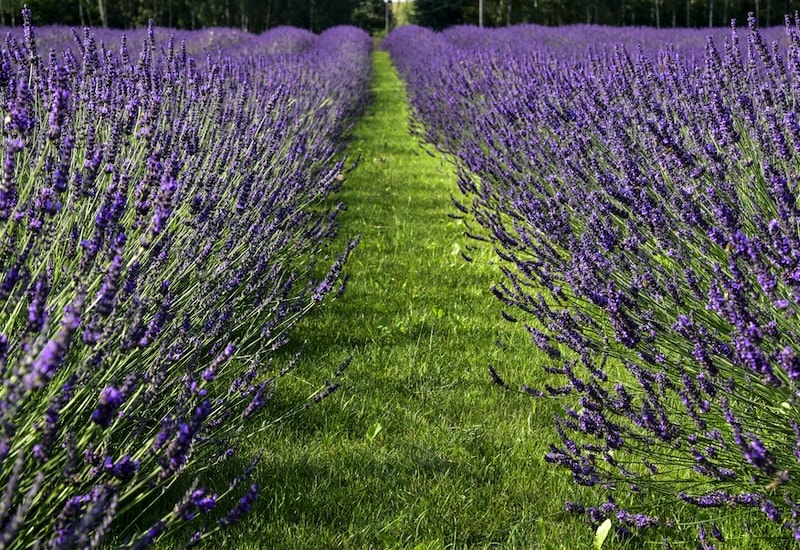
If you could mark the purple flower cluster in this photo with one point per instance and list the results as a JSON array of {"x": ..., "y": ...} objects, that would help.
[
  {"x": 165, "y": 210},
  {"x": 641, "y": 189}
]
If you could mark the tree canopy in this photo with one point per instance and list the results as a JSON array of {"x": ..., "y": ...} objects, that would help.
[
  {"x": 658, "y": 13},
  {"x": 316, "y": 15},
  {"x": 250, "y": 15}
]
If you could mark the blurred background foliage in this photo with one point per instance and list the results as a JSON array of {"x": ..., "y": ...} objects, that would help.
[
  {"x": 439, "y": 14},
  {"x": 371, "y": 15}
]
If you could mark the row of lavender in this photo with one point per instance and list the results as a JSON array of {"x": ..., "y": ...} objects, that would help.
[
  {"x": 165, "y": 207},
  {"x": 644, "y": 199}
]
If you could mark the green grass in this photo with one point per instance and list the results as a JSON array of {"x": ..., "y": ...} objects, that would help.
[{"x": 418, "y": 448}]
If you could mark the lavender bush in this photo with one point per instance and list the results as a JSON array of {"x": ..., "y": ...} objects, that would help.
[
  {"x": 644, "y": 200},
  {"x": 165, "y": 209}
]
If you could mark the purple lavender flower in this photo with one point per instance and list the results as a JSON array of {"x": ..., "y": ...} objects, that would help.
[
  {"x": 710, "y": 500},
  {"x": 198, "y": 500},
  {"x": 242, "y": 507},
  {"x": 177, "y": 452},
  {"x": 637, "y": 520},
  {"x": 789, "y": 362},
  {"x": 756, "y": 454},
  {"x": 37, "y": 314},
  {"x": 50, "y": 358},
  {"x": 210, "y": 373},
  {"x": 60, "y": 105},
  {"x": 123, "y": 469},
  {"x": 335, "y": 271},
  {"x": 105, "y": 296},
  {"x": 769, "y": 510},
  {"x": 111, "y": 399},
  {"x": 149, "y": 536}
]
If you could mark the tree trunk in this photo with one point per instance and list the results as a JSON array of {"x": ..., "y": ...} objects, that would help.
[
  {"x": 101, "y": 6},
  {"x": 710, "y": 13},
  {"x": 84, "y": 14},
  {"x": 657, "y": 10},
  {"x": 688, "y": 13}
]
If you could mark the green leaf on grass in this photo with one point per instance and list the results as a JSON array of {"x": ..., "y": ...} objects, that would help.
[
  {"x": 601, "y": 534},
  {"x": 373, "y": 431}
]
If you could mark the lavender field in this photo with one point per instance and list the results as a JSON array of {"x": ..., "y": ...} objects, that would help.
[
  {"x": 620, "y": 245},
  {"x": 640, "y": 187},
  {"x": 164, "y": 207}
]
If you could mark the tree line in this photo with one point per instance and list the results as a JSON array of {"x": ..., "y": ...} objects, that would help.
[
  {"x": 316, "y": 15},
  {"x": 656, "y": 13},
  {"x": 250, "y": 15}
]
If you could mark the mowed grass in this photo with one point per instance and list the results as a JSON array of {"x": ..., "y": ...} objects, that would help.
[{"x": 417, "y": 449}]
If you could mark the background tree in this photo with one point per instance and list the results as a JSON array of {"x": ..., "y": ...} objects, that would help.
[
  {"x": 663, "y": 13},
  {"x": 317, "y": 15},
  {"x": 370, "y": 15},
  {"x": 439, "y": 14}
]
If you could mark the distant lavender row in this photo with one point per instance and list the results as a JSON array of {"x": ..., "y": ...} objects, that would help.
[
  {"x": 574, "y": 42},
  {"x": 275, "y": 41},
  {"x": 163, "y": 221},
  {"x": 644, "y": 199}
]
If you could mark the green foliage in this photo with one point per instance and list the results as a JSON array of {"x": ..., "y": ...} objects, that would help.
[
  {"x": 250, "y": 15},
  {"x": 438, "y": 14},
  {"x": 402, "y": 13},
  {"x": 316, "y": 15},
  {"x": 370, "y": 15}
]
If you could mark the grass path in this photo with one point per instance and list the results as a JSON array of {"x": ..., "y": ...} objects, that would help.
[{"x": 418, "y": 448}]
